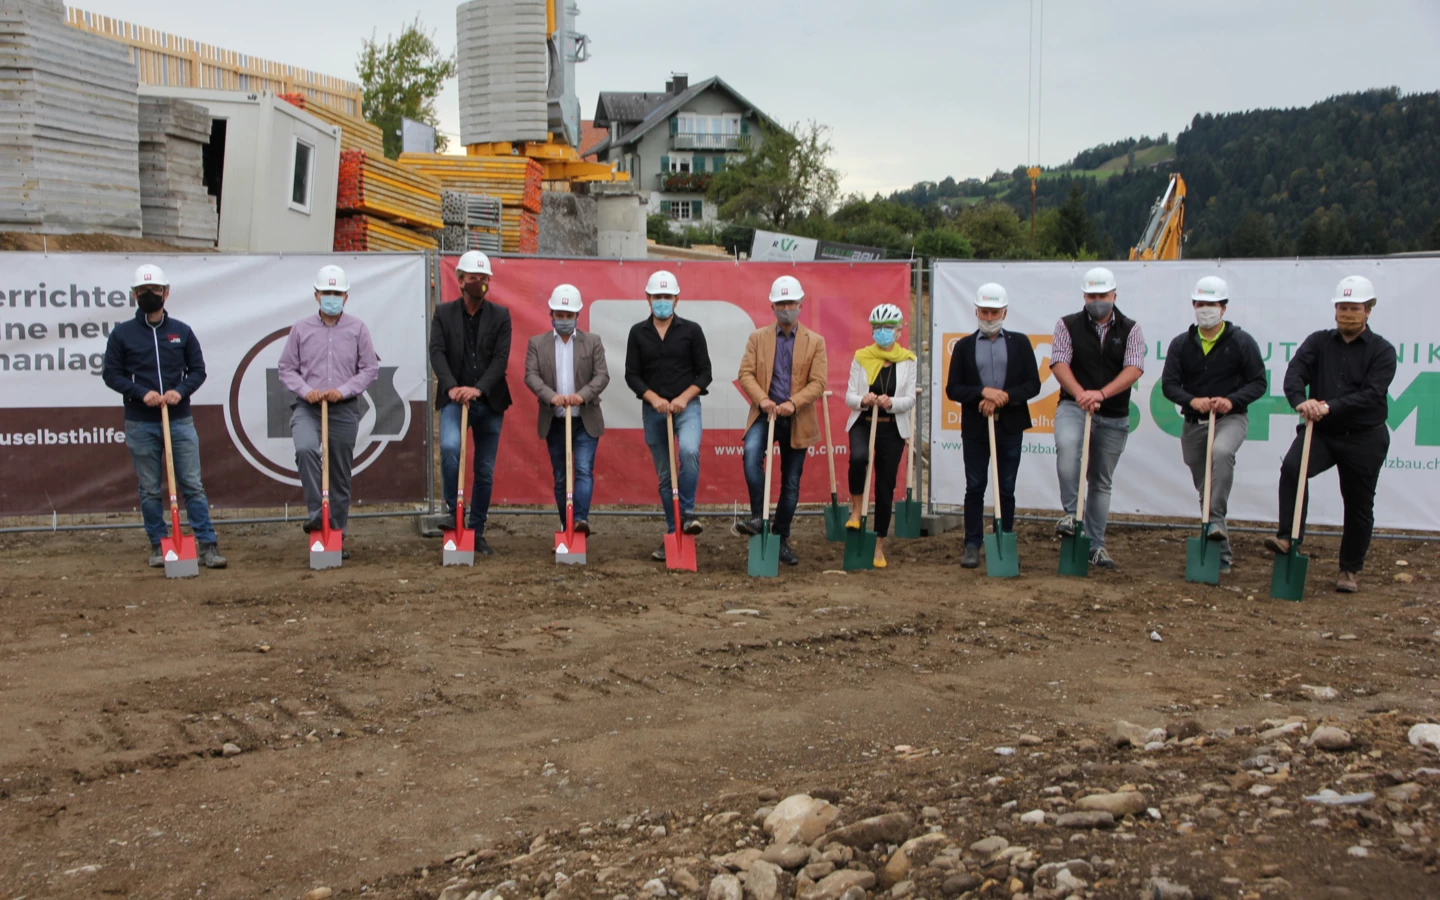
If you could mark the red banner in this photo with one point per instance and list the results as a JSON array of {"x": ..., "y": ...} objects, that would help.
[{"x": 729, "y": 301}]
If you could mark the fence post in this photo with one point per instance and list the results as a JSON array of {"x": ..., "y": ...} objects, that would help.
[{"x": 432, "y": 300}]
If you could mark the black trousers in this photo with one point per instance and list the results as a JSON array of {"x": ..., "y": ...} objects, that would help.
[
  {"x": 889, "y": 448},
  {"x": 1359, "y": 456}
]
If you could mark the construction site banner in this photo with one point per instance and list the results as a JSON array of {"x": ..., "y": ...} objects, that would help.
[
  {"x": 62, "y": 431},
  {"x": 1279, "y": 302},
  {"x": 729, "y": 301}
]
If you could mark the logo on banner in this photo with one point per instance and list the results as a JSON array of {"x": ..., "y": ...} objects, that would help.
[
  {"x": 1042, "y": 407},
  {"x": 257, "y": 413}
]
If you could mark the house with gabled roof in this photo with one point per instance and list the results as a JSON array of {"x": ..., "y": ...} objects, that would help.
[{"x": 672, "y": 143}]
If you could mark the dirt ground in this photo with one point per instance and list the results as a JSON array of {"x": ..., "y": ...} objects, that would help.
[{"x": 404, "y": 728}]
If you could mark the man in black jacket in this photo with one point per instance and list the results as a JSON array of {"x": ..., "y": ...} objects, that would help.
[
  {"x": 153, "y": 361},
  {"x": 1348, "y": 371},
  {"x": 1213, "y": 367},
  {"x": 469, "y": 349},
  {"x": 992, "y": 373}
]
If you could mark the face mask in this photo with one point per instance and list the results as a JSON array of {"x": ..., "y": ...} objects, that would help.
[
  {"x": 332, "y": 304},
  {"x": 149, "y": 302},
  {"x": 476, "y": 290},
  {"x": 787, "y": 316},
  {"x": 663, "y": 309},
  {"x": 1099, "y": 309},
  {"x": 992, "y": 327},
  {"x": 563, "y": 327},
  {"x": 1350, "y": 321},
  {"x": 1209, "y": 316},
  {"x": 884, "y": 338}
]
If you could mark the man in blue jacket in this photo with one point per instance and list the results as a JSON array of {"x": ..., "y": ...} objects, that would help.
[
  {"x": 153, "y": 360},
  {"x": 992, "y": 373}
]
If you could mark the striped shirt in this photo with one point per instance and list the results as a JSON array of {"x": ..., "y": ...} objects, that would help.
[{"x": 1061, "y": 350}]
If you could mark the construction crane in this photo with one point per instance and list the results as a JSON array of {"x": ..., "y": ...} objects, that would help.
[{"x": 1167, "y": 220}]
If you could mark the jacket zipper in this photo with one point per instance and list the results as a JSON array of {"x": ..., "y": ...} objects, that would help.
[{"x": 159, "y": 375}]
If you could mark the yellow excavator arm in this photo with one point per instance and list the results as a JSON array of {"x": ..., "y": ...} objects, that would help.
[{"x": 1167, "y": 223}]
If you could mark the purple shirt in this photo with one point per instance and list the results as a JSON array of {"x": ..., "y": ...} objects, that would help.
[
  {"x": 320, "y": 357},
  {"x": 780, "y": 378}
]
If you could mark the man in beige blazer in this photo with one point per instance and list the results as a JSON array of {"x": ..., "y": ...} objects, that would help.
[
  {"x": 565, "y": 369},
  {"x": 783, "y": 371}
]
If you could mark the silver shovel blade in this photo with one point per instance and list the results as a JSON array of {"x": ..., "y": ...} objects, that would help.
[
  {"x": 324, "y": 559},
  {"x": 182, "y": 568},
  {"x": 570, "y": 558},
  {"x": 457, "y": 557}
]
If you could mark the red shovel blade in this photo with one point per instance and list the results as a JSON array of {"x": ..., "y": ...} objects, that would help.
[
  {"x": 180, "y": 559},
  {"x": 325, "y": 548},
  {"x": 570, "y": 547},
  {"x": 458, "y": 547},
  {"x": 680, "y": 552}
]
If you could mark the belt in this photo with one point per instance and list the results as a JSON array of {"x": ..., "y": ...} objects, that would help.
[{"x": 884, "y": 418}]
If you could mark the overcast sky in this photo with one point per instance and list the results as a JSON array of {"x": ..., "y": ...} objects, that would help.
[{"x": 912, "y": 90}]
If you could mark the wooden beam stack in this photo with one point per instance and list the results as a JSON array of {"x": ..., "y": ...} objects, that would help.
[
  {"x": 176, "y": 207},
  {"x": 355, "y": 133},
  {"x": 378, "y": 187},
  {"x": 513, "y": 180},
  {"x": 367, "y": 234}
]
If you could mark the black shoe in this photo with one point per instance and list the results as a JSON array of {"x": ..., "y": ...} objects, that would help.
[
  {"x": 1218, "y": 533},
  {"x": 482, "y": 547},
  {"x": 970, "y": 558},
  {"x": 693, "y": 527},
  {"x": 659, "y": 555},
  {"x": 787, "y": 556},
  {"x": 157, "y": 559},
  {"x": 747, "y": 527},
  {"x": 313, "y": 525},
  {"x": 582, "y": 526},
  {"x": 344, "y": 552},
  {"x": 210, "y": 557}
]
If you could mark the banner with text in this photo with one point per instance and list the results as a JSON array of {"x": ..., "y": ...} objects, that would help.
[
  {"x": 1279, "y": 302},
  {"x": 729, "y": 301},
  {"x": 62, "y": 431}
]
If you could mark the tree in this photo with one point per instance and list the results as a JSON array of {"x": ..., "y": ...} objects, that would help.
[
  {"x": 993, "y": 229},
  {"x": 1250, "y": 239},
  {"x": 783, "y": 179},
  {"x": 1073, "y": 233},
  {"x": 1432, "y": 237},
  {"x": 943, "y": 243},
  {"x": 401, "y": 79}
]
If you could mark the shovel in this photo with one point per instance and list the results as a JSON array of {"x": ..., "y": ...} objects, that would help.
[
  {"x": 459, "y": 542},
  {"x": 178, "y": 550},
  {"x": 325, "y": 548},
  {"x": 834, "y": 515},
  {"x": 1287, "y": 581},
  {"x": 907, "y": 511},
  {"x": 569, "y": 545},
  {"x": 765, "y": 547},
  {"x": 1002, "y": 554},
  {"x": 859, "y": 543},
  {"x": 1075, "y": 548},
  {"x": 679, "y": 547},
  {"x": 1202, "y": 566}
]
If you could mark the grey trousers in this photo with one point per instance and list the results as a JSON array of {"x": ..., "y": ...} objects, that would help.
[
  {"x": 1229, "y": 435},
  {"x": 344, "y": 425}
]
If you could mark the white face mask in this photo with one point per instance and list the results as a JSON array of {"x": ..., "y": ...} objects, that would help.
[
  {"x": 991, "y": 327},
  {"x": 1208, "y": 316}
]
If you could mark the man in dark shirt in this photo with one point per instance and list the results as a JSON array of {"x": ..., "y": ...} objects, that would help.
[
  {"x": 1348, "y": 371},
  {"x": 667, "y": 365},
  {"x": 469, "y": 349}
]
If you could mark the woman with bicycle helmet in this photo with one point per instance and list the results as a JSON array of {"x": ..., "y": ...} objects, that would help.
[{"x": 882, "y": 376}]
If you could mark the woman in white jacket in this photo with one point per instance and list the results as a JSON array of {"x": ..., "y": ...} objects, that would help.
[{"x": 882, "y": 375}]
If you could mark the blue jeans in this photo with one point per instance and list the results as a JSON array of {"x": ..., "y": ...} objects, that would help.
[
  {"x": 485, "y": 426},
  {"x": 687, "y": 448},
  {"x": 146, "y": 442},
  {"x": 1107, "y": 442},
  {"x": 1008, "y": 450},
  {"x": 792, "y": 464},
  {"x": 585, "y": 447}
]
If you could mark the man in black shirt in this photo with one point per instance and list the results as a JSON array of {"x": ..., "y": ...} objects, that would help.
[
  {"x": 469, "y": 349},
  {"x": 1348, "y": 371},
  {"x": 667, "y": 365}
]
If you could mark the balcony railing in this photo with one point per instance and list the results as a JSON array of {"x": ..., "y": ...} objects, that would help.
[
  {"x": 683, "y": 182},
  {"x": 687, "y": 140}
]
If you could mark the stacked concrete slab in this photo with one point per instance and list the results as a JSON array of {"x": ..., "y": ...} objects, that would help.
[
  {"x": 501, "y": 56},
  {"x": 176, "y": 206},
  {"x": 69, "y": 141}
]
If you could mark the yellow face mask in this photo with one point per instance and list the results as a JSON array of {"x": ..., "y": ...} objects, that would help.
[{"x": 1349, "y": 321}]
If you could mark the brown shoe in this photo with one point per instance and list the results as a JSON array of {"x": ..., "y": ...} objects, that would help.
[
  {"x": 1345, "y": 584},
  {"x": 1277, "y": 545}
]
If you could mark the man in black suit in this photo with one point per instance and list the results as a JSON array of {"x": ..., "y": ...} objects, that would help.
[
  {"x": 992, "y": 373},
  {"x": 469, "y": 349}
]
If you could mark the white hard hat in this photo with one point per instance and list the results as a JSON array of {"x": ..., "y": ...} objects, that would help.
[
  {"x": 148, "y": 274},
  {"x": 474, "y": 263},
  {"x": 332, "y": 278},
  {"x": 1099, "y": 280},
  {"x": 1211, "y": 289},
  {"x": 786, "y": 287},
  {"x": 1354, "y": 289},
  {"x": 566, "y": 298},
  {"x": 992, "y": 296},
  {"x": 663, "y": 282},
  {"x": 886, "y": 314}
]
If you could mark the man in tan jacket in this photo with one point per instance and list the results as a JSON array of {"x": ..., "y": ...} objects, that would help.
[{"x": 783, "y": 371}]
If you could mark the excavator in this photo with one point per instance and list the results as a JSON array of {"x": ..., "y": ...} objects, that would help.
[{"x": 1167, "y": 220}]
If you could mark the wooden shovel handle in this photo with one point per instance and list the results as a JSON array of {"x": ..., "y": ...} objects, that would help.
[
  {"x": 325, "y": 453},
  {"x": 1209, "y": 460},
  {"x": 464, "y": 439},
  {"x": 1084, "y": 469},
  {"x": 994, "y": 472},
  {"x": 769, "y": 445},
  {"x": 870, "y": 462},
  {"x": 674, "y": 475},
  {"x": 829, "y": 443},
  {"x": 1304, "y": 477},
  {"x": 169, "y": 455}
]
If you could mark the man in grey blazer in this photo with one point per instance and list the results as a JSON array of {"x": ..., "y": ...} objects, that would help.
[{"x": 565, "y": 368}]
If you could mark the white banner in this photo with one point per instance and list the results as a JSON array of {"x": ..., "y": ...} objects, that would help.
[
  {"x": 1279, "y": 302},
  {"x": 57, "y": 311}
]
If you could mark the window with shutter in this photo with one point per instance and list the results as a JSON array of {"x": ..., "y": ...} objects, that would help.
[
  {"x": 698, "y": 208},
  {"x": 699, "y": 164}
]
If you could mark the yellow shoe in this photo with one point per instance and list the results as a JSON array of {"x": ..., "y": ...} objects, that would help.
[
  {"x": 853, "y": 525},
  {"x": 880, "y": 562}
]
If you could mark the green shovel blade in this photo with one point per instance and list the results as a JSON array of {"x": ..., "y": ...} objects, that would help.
[
  {"x": 1202, "y": 558},
  {"x": 859, "y": 548},
  {"x": 1075, "y": 553},
  {"x": 1287, "y": 579},
  {"x": 907, "y": 517},
  {"x": 1002, "y": 555},
  {"x": 764, "y": 554},
  {"x": 835, "y": 516}
]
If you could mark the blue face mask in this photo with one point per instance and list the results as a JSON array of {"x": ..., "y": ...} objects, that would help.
[
  {"x": 663, "y": 309},
  {"x": 332, "y": 304},
  {"x": 563, "y": 327},
  {"x": 884, "y": 338}
]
